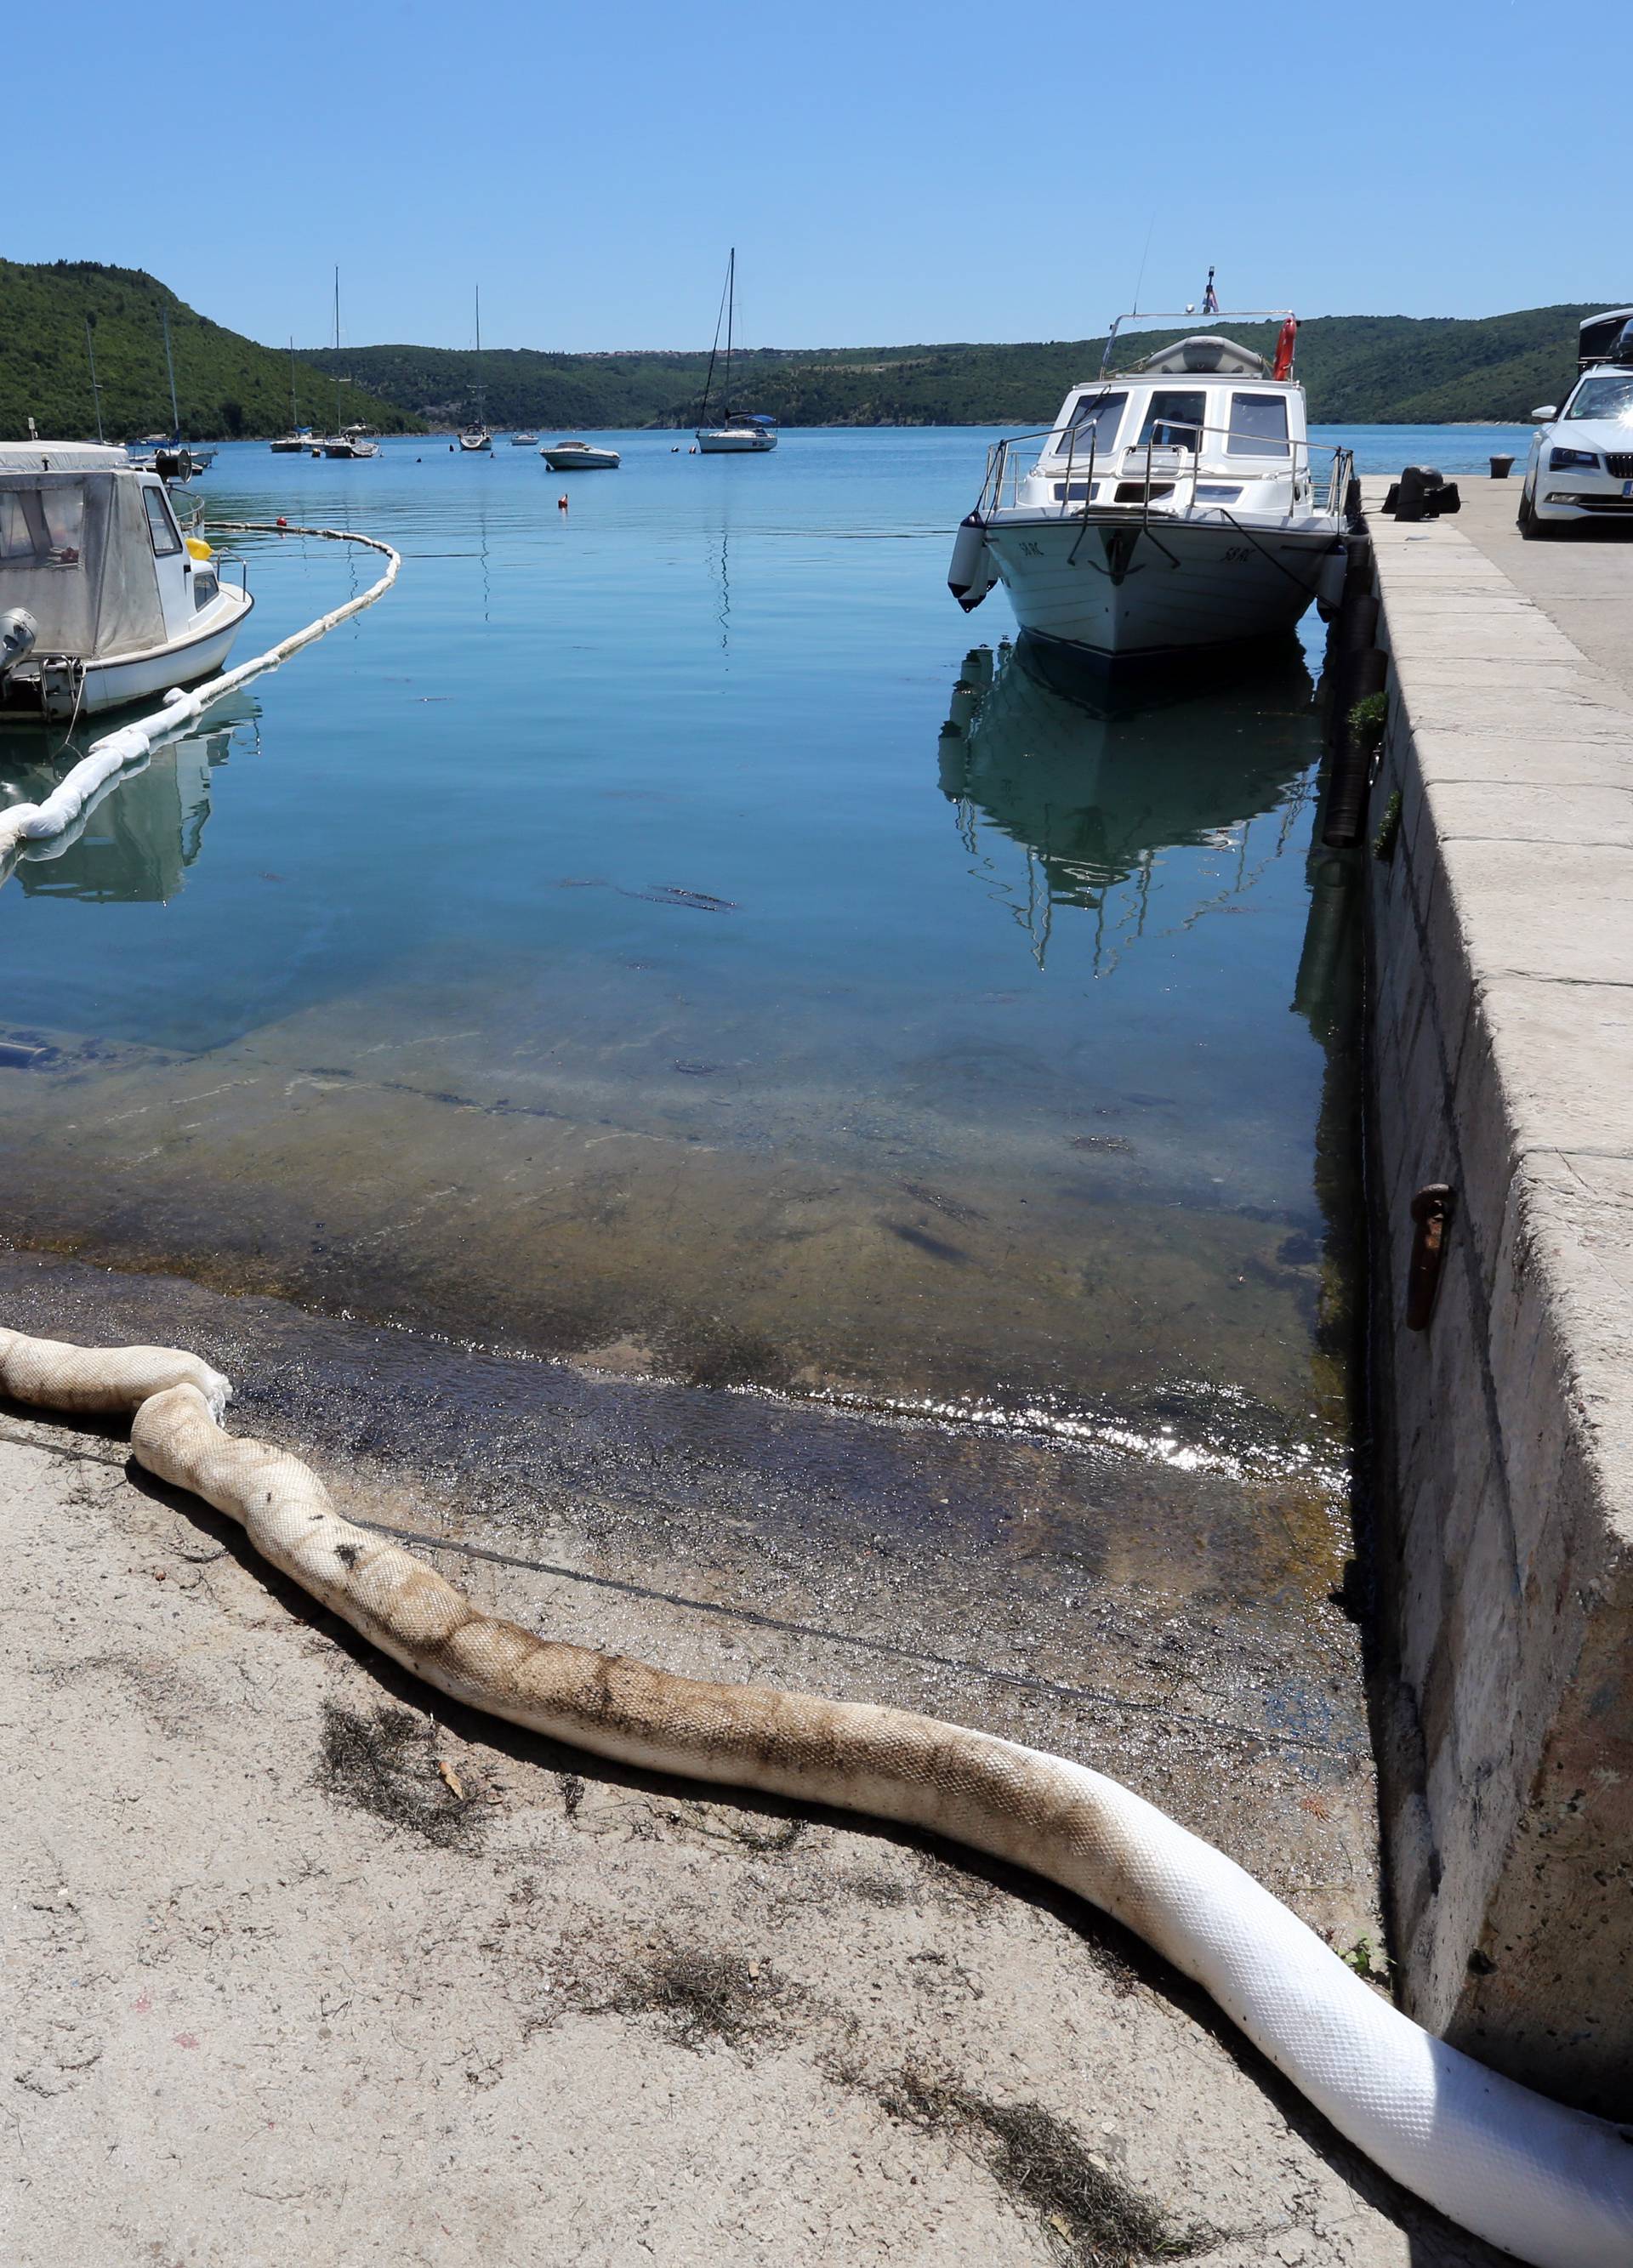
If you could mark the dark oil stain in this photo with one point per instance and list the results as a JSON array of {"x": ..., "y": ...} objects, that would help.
[
  {"x": 922, "y": 1239},
  {"x": 386, "y": 1764},
  {"x": 1045, "y": 2169}
]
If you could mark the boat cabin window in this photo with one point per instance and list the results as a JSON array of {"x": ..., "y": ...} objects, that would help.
[
  {"x": 164, "y": 531},
  {"x": 1174, "y": 420},
  {"x": 43, "y": 526},
  {"x": 205, "y": 587},
  {"x": 1093, "y": 423},
  {"x": 1258, "y": 425}
]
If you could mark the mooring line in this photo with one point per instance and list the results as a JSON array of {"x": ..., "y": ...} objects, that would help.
[{"x": 758, "y": 1621}]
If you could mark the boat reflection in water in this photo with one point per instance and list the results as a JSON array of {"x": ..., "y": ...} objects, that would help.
[
  {"x": 1093, "y": 798},
  {"x": 135, "y": 840}
]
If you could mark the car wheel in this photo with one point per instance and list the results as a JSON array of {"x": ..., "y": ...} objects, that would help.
[{"x": 1532, "y": 526}]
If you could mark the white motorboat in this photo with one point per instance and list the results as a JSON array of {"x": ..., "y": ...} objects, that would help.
[
  {"x": 1175, "y": 505},
  {"x": 103, "y": 601},
  {"x": 580, "y": 457},
  {"x": 476, "y": 435},
  {"x": 355, "y": 441},
  {"x": 524, "y": 440},
  {"x": 739, "y": 433}
]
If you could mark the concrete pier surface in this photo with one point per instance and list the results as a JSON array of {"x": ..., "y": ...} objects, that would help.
[
  {"x": 307, "y": 1963},
  {"x": 1501, "y": 1064}
]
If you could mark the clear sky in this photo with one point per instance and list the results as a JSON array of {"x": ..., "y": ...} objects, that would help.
[{"x": 888, "y": 173}]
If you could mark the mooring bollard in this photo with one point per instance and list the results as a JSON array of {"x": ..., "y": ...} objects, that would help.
[{"x": 1501, "y": 468}]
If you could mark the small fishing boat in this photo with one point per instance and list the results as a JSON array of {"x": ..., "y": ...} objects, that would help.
[
  {"x": 738, "y": 432},
  {"x": 476, "y": 435},
  {"x": 103, "y": 601},
  {"x": 524, "y": 440},
  {"x": 1174, "y": 504},
  {"x": 580, "y": 457}
]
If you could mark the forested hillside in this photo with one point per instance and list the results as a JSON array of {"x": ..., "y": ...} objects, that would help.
[
  {"x": 225, "y": 385},
  {"x": 1359, "y": 369}
]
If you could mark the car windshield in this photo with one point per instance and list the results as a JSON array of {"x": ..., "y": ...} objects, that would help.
[{"x": 1604, "y": 397}]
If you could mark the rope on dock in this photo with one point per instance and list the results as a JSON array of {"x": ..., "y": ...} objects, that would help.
[{"x": 35, "y": 822}]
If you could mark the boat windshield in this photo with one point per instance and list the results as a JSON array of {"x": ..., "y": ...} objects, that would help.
[
  {"x": 1258, "y": 425},
  {"x": 41, "y": 525},
  {"x": 1174, "y": 420},
  {"x": 1093, "y": 423},
  {"x": 1604, "y": 397}
]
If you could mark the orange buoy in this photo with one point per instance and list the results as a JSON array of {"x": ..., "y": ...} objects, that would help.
[
  {"x": 282, "y": 521},
  {"x": 1284, "y": 367}
]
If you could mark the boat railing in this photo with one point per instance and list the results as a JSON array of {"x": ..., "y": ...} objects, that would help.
[{"x": 1320, "y": 471}]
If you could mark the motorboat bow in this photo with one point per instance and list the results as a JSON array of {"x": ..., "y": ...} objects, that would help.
[
  {"x": 1174, "y": 504},
  {"x": 103, "y": 601}
]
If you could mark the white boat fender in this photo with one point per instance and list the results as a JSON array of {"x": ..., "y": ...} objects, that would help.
[{"x": 972, "y": 573}]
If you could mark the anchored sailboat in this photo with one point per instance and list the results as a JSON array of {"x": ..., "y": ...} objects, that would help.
[
  {"x": 740, "y": 432},
  {"x": 476, "y": 435},
  {"x": 298, "y": 440},
  {"x": 345, "y": 440}
]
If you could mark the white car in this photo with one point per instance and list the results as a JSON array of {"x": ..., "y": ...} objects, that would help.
[{"x": 1580, "y": 465}]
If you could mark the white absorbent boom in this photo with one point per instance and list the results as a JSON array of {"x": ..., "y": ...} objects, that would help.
[
  {"x": 1549, "y": 2185},
  {"x": 131, "y": 744}
]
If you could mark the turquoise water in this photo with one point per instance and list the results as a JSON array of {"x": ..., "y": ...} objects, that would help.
[{"x": 601, "y": 946}]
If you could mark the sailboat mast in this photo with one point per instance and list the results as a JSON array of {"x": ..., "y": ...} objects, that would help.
[
  {"x": 96, "y": 391},
  {"x": 480, "y": 390},
  {"x": 731, "y": 311},
  {"x": 337, "y": 348},
  {"x": 295, "y": 406},
  {"x": 175, "y": 414}
]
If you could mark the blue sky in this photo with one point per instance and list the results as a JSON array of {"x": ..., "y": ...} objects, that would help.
[{"x": 888, "y": 175}]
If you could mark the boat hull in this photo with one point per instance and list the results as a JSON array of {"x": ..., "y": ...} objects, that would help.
[
  {"x": 116, "y": 683},
  {"x": 1115, "y": 587},
  {"x": 580, "y": 460},
  {"x": 725, "y": 444}
]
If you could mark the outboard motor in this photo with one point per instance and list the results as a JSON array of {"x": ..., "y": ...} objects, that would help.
[{"x": 18, "y": 629}]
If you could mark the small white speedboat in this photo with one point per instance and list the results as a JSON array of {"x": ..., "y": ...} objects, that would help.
[
  {"x": 580, "y": 457},
  {"x": 524, "y": 440},
  {"x": 1175, "y": 505},
  {"x": 103, "y": 601}
]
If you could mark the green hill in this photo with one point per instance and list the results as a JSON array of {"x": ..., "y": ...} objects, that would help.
[
  {"x": 225, "y": 385},
  {"x": 1359, "y": 369}
]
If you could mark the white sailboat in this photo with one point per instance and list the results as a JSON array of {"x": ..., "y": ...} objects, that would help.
[
  {"x": 740, "y": 432},
  {"x": 1175, "y": 505},
  {"x": 476, "y": 435},
  {"x": 345, "y": 440},
  {"x": 298, "y": 440}
]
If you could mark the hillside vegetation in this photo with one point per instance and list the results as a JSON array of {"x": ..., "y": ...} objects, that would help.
[
  {"x": 1359, "y": 370},
  {"x": 225, "y": 385}
]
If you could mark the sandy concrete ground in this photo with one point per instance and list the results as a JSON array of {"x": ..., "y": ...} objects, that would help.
[
  {"x": 1582, "y": 580},
  {"x": 302, "y": 1967}
]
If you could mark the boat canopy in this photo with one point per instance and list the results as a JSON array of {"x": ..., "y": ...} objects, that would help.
[{"x": 77, "y": 550}]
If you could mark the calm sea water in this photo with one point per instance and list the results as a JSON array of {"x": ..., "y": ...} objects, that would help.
[{"x": 652, "y": 935}]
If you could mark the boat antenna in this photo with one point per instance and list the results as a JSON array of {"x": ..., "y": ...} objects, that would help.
[
  {"x": 96, "y": 391},
  {"x": 1139, "y": 279},
  {"x": 175, "y": 414}
]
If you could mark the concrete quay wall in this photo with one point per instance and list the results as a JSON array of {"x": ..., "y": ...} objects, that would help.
[{"x": 1500, "y": 938}]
